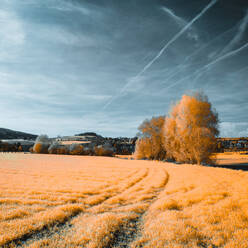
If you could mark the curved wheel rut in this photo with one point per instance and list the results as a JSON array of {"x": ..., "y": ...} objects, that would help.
[
  {"x": 124, "y": 237},
  {"x": 125, "y": 233},
  {"x": 47, "y": 231}
]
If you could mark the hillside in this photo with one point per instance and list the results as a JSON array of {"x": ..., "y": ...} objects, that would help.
[
  {"x": 11, "y": 134},
  {"x": 88, "y": 134}
]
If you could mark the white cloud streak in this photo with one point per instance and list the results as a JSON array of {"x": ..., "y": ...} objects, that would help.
[
  {"x": 202, "y": 70},
  {"x": 186, "y": 64},
  {"x": 180, "y": 21},
  {"x": 167, "y": 45},
  {"x": 192, "y": 35},
  {"x": 234, "y": 129},
  {"x": 59, "y": 5},
  {"x": 179, "y": 68},
  {"x": 12, "y": 35},
  {"x": 238, "y": 37},
  {"x": 230, "y": 54}
]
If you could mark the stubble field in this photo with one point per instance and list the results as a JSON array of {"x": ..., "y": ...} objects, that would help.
[{"x": 75, "y": 201}]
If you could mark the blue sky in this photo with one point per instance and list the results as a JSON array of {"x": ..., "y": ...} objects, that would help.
[{"x": 69, "y": 66}]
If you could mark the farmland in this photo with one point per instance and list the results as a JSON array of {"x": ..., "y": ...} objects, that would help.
[{"x": 75, "y": 201}]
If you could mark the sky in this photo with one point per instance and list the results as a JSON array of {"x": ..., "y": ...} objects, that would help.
[{"x": 71, "y": 66}]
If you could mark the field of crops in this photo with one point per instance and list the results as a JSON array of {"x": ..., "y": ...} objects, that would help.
[{"x": 79, "y": 201}]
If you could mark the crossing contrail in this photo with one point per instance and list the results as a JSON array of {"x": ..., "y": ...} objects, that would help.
[
  {"x": 176, "y": 37},
  {"x": 179, "y": 34},
  {"x": 185, "y": 61},
  {"x": 182, "y": 23},
  {"x": 238, "y": 37},
  {"x": 207, "y": 66},
  {"x": 230, "y": 54}
]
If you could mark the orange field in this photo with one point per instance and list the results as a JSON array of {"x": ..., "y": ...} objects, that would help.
[{"x": 79, "y": 201}]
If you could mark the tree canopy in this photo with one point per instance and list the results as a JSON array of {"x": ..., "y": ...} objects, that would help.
[
  {"x": 150, "y": 142},
  {"x": 191, "y": 129}
]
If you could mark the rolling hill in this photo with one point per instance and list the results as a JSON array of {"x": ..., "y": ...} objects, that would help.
[{"x": 11, "y": 134}]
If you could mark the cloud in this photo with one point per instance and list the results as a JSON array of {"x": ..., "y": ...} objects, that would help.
[
  {"x": 62, "y": 60},
  {"x": 67, "y": 6},
  {"x": 234, "y": 129},
  {"x": 59, "y": 5},
  {"x": 12, "y": 35},
  {"x": 107, "y": 124},
  {"x": 59, "y": 35},
  {"x": 179, "y": 20},
  {"x": 165, "y": 47},
  {"x": 191, "y": 34},
  {"x": 239, "y": 35},
  {"x": 134, "y": 85},
  {"x": 199, "y": 72},
  {"x": 11, "y": 30},
  {"x": 46, "y": 92}
]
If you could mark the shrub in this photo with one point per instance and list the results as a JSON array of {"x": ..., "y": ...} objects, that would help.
[
  {"x": 53, "y": 148},
  {"x": 63, "y": 150},
  {"x": 58, "y": 148},
  {"x": 42, "y": 144},
  {"x": 40, "y": 147},
  {"x": 150, "y": 142},
  {"x": 76, "y": 149},
  {"x": 88, "y": 151},
  {"x": 104, "y": 150},
  {"x": 143, "y": 149},
  {"x": 20, "y": 148}
]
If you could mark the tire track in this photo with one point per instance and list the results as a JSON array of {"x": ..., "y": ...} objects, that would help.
[
  {"x": 127, "y": 234},
  {"x": 123, "y": 237},
  {"x": 123, "y": 189},
  {"x": 47, "y": 231},
  {"x": 40, "y": 231}
]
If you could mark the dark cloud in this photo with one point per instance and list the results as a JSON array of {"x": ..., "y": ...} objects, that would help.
[{"x": 62, "y": 61}]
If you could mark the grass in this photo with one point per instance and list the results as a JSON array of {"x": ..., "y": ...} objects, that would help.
[{"x": 71, "y": 201}]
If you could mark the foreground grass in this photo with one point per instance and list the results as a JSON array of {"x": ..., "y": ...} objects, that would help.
[{"x": 71, "y": 201}]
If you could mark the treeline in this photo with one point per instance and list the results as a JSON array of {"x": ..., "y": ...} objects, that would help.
[
  {"x": 44, "y": 145},
  {"x": 6, "y": 147},
  {"x": 187, "y": 135}
]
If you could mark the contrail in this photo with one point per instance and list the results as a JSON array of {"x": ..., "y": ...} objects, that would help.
[
  {"x": 209, "y": 43},
  {"x": 213, "y": 2},
  {"x": 184, "y": 64},
  {"x": 180, "y": 21},
  {"x": 176, "y": 37},
  {"x": 241, "y": 70},
  {"x": 207, "y": 66},
  {"x": 238, "y": 37},
  {"x": 230, "y": 54},
  {"x": 176, "y": 71}
]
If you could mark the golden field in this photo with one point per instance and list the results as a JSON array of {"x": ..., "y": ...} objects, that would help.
[{"x": 80, "y": 201}]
